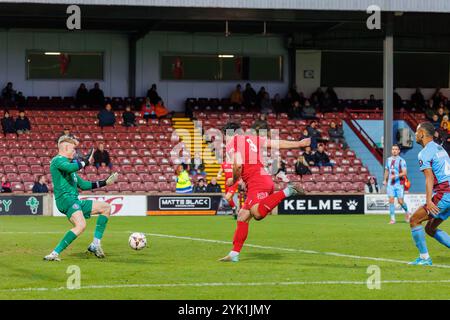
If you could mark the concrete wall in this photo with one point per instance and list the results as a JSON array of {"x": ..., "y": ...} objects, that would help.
[
  {"x": 15, "y": 43},
  {"x": 176, "y": 92}
]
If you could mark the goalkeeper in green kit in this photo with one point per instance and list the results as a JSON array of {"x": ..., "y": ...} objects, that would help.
[{"x": 66, "y": 182}]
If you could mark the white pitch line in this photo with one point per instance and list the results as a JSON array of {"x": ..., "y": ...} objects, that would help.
[
  {"x": 335, "y": 254},
  {"x": 225, "y": 284}
]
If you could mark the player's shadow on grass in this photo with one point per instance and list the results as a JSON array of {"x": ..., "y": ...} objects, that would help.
[
  {"x": 264, "y": 256},
  {"x": 114, "y": 258}
]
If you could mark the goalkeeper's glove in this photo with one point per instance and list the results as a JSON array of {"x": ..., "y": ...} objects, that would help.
[
  {"x": 108, "y": 181},
  {"x": 86, "y": 158}
]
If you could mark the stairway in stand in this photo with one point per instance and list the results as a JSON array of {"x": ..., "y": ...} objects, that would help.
[{"x": 194, "y": 141}]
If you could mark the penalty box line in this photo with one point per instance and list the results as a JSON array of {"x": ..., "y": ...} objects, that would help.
[{"x": 225, "y": 284}]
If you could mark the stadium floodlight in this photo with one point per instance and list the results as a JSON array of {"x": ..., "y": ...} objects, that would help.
[
  {"x": 226, "y": 56},
  {"x": 52, "y": 53}
]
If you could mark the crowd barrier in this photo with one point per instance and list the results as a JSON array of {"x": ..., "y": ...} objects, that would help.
[{"x": 206, "y": 204}]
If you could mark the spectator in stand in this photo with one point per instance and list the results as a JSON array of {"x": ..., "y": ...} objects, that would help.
[
  {"x": 6, "y": 185},
  {"x": 333, "y": 96},
  {"x": 261, "y": 123},
  {"x": 277, "y": 104},
  {"x": 438, "y": 97},
  {"x": 305, "y": 134},
  {"x": 106, "y": 117},
  {"x": 8, "y": 93},
  {"x": 318, "y": 96},
  {"x": 266, "y": 104},
  {"x": 101, "y": 157},
  {"x": 40, "y": 186},
  {"x": 441, "y": 112},
  {"x": 249, "y": 96},
  {"x": 336, "y": 134},
  {"x": 398, "y": 102},
  {"x": 184, "y": 184},
  {"x": 128, "y": 117},
  {"x": 417, "y": 100},
  {"x": 309, "y": 156},
  {"x": 373, "y": 103},
  {"x": 259, "y": 97},
  {"x": 308, "y": 112},
  {"x": 22, "y": 124},
  {"x": 295, "y": 111},
  {"x": 197, "y": 166},
  {"x": 153, "y": 95},
  {"x": 21, "y": 101},
  {"x": 435, "y": 121},
  {"x": 148, "y": 110},
  {"x": 314, "y": 133},
  {"x": 302, "y": 166},
  {"x": 293, "y": 95},
  {"x": 444, "y": 121},
  {"x": 430, "y": 110},
  {"x": 372, "y": 185},
  {"x": 201, "y": 186},
  {"x": 8, "y": 124},
  {"x": 321, "y": 158},
  {"x": 213, "y": 187},
  {"x": 444, "y": 136},
  {"x": 96, "y": 96},
  {"x": 82, "y": 96},
  {"x": 236, "y": 96},
  {"x": 161, "y": 111}
]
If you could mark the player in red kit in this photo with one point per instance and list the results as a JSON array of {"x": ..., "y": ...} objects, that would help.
[
  {"x": 227, "y": 169},
  {"x": 246, "y": 151}
]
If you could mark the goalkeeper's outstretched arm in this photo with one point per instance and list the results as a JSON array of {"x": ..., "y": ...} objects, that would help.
[{"x": 90, "y": 185}]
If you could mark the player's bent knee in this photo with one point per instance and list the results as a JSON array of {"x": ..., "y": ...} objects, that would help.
[
  {"x": 430, "y": 230},
  {"x": 106, "y": 209}
]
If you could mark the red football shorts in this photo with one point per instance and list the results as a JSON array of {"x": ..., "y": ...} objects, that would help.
[{"x": 258, "y": 189}]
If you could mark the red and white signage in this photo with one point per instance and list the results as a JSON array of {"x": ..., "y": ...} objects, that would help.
[{"x": 121, "y": 205}]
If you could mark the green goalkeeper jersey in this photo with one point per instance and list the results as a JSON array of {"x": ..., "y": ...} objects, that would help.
[{"x": 66, "y": 181}]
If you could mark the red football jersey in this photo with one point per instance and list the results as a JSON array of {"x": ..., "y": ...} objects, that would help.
[
  {"x": 249, "y": 150},
  {"x": 227, "y": 170}
]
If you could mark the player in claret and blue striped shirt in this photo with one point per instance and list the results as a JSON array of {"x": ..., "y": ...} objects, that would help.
[
  {"x": 435, "y": 164},
  {"x": 394, "y": 180}
]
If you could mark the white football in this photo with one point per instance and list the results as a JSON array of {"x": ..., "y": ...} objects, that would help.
[{"x": 137, "y": 241}]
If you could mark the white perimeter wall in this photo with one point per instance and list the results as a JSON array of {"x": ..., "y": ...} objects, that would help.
[
  {"x": 15, "y": 43},
  {"x": 175, "y": 93},
  {"x": 311, "y": 60}
]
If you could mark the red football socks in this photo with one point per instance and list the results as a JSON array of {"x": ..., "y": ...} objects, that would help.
[
  {"x": 268, "y": 204},
  {"x": 231, "y": 203},
  {"x": 240, "y": 235}
]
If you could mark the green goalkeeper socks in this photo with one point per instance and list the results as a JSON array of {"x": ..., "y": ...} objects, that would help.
[
  {"x": 100, "y": 227},
  {"x": 69, "y": 237}
]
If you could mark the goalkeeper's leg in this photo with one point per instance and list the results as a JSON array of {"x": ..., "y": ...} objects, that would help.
[
  {"x": 79, "y": 222},
  {"x": 103, "y": 210}
]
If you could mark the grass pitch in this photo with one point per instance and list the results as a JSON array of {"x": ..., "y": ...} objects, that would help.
[{"x": 292, "y": 257}]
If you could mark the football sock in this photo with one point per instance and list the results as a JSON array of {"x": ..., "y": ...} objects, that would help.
[
  {"x": 392, "y": 211},
  {"x": 240, "y": 235},
  {"x": 231, "y": 203},
  {"x": 69, "y": 237},
  {"x": 405, "y": 207},
  {"x": 100, "y": 227},
  {"x": 418, "y": 235},
  {"x": 96, "y": 242},
  {"x": 443, "y": 238},
  {"x": 268, "y": 204}
]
